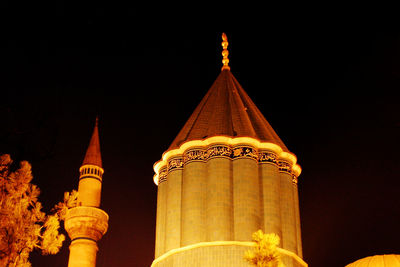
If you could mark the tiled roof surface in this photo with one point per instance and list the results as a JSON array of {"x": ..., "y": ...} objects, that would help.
[
  {"x": 93, "y": 155},
  {"x": 226, "y": 110}
]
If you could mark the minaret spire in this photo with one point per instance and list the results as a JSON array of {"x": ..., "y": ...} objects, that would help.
[
  {"x": 225, "y": 52},
  {"x": 93, "y": 155}
]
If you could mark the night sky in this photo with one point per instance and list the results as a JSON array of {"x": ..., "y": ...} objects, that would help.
[{"x": 327, "y": 83}]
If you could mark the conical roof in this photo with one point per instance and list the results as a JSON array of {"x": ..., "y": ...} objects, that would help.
[
  {"x": 93, "y": 155},
  {"x": 227, "y": 110}
]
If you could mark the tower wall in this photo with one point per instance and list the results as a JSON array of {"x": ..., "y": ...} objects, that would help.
[
  {"x": 270, "y": 182},
  {"x": 219, "y": 209},
  {"x": 246, "y": 197},
  {"x": 194, "y": 203},
  {"x": 218, "y": 192},
  {"x": 288, "y": 221},
  {"x": 173, "y": 203},
  {"x": 161, "y": 213},
  {"x": 297, "y": 215}
]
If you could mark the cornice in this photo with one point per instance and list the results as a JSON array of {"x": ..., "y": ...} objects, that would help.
[{"x": 228, "y": 147}]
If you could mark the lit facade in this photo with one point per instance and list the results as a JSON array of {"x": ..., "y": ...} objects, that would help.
[{"x": 226, "y": 175}]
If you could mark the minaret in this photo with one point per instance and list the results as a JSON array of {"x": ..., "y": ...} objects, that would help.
[
  {"x": 87, "y": 223},
  {"x": 226, "y": 175}
]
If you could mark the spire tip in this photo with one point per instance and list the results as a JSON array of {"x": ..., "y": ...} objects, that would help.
[{"x": 225, "y": 52}]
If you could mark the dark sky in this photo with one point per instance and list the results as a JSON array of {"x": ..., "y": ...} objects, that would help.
[{"x": 327, "y": 82}]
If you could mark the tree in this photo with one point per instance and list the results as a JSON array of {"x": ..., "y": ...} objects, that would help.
[
  {"x": 70, "y": 201},
  {"x": 23, "y": 225},
  {"x": 265, "y": 253}
]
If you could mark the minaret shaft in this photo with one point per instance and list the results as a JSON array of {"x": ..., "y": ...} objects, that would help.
[
  {"x": 90, "y": 182},
  {"x": 82, "y": 253},
  {"x": 86, "y": 223}
]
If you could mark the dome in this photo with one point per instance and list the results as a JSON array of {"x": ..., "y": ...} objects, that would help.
[{"x": 377, "y": 261}]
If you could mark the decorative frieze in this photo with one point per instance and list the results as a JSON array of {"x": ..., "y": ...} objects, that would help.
[
  {"x": 194, "y": 155},
  {"x": 226, "y": 151},
  {"x": 267, "y": 156},
  {"x": 245, "y": 152},
  {"x": 162, "y": 175},
  {"x": 227, "y": 147},
  {"x": 175, "y": 163},
  {"x": 285, "y": 166},
  {"x": 218, "y": 151}
]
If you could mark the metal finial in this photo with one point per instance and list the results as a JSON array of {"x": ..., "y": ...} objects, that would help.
[{"x": 225, "y": 52}]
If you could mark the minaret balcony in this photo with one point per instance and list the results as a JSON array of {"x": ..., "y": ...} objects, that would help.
[{"x": 86, "y": 223}]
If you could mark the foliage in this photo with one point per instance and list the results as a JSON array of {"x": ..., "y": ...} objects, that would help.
[
  {"x": 70, "y": 201},
  {"x": 265, "y": 253},
  {"x": 23, "y": 226}
]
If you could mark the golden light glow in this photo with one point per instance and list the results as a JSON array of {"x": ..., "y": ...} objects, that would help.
[
  {"x": 287, "y": 156},
  {"x": 225, "y": 52},
  {"x": 225, "y": 243}
]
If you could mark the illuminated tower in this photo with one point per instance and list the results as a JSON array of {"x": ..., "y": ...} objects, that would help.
[
  {"x": 86, "y": 223},
  {"x": 226, "y": 175}
]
